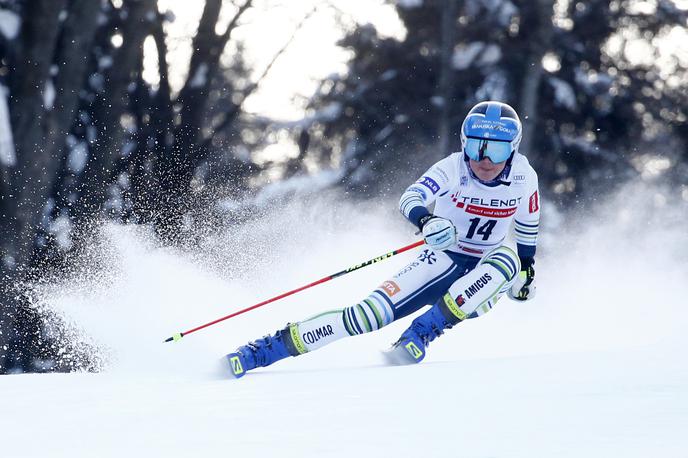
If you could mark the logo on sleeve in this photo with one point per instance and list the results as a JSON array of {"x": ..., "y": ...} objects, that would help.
[
  {"x": 430, "y": 184},
  {"x": 534, "y": 203},
  {"x": 439, "y": 171},
  {"x": 390, "y": 287},
  {"x": 419, "y": 190}
]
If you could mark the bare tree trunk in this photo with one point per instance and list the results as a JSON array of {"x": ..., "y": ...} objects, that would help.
[
  {"x": 33, "y": 176},
  {"x": 175, "y": 171},
  {"x": 530, "y": 92},
  {"x": 100, "y": 168},
  {"x": 145, "y": 183},
  {"x": 446, "y": 86},
  {"x": 72, "y": 61}
]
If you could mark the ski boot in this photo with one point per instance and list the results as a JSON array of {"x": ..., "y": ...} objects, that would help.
[
  {"x": 261, "y": 352},
  {"x": 410, "y": 348}
]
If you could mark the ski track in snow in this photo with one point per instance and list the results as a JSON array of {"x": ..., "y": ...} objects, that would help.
[{"x": 593, "y": 367}]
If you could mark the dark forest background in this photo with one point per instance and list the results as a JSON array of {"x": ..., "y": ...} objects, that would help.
[{"x": 83, "y": 137}]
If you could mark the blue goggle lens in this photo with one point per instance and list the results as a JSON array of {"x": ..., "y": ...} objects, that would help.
[{"x": 478, "y": 149}]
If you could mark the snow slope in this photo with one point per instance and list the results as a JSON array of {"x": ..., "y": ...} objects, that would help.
[{"x": 593, "y": 367}]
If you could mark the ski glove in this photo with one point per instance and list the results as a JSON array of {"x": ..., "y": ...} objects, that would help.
[
  {"x": 523, "y": 288},
  {"x": 439, "y": 233}
]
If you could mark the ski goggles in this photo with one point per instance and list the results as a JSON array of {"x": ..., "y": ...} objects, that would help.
[{"x": 479, "y": 148}]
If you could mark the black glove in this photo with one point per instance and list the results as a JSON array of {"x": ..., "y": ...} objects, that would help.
[{"x": 524, "y": 287}]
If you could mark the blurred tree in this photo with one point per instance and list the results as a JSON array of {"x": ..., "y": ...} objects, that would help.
[
  {"x": 31, "y": 176},
  {"x": 588, "y": 110},
  {"x": 83, "y": 135}
]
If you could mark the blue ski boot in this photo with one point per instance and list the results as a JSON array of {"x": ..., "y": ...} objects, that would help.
[
  {"x": 410, "y": 348},
  {"x": 261, "y": 353}
]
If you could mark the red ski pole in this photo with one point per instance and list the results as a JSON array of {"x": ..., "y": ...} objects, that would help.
[{"x": 179, "y": 335}]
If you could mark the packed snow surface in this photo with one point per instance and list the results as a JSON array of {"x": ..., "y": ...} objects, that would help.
[{"x": 593, "y": 367}]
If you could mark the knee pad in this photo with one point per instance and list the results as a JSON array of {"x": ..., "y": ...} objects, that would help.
[
  {"x": 505, "y": 260},
  {"x": 476, "y": 292}
]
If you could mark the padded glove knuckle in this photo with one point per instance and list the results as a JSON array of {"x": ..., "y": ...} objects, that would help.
[{"x": 439, "y": 233}]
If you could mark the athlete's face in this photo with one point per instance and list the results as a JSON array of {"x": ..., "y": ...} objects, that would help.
[{"x": 487, "y": 170}]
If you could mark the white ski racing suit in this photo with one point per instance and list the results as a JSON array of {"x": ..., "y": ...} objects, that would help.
[{"x": 469, "y": 277}]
